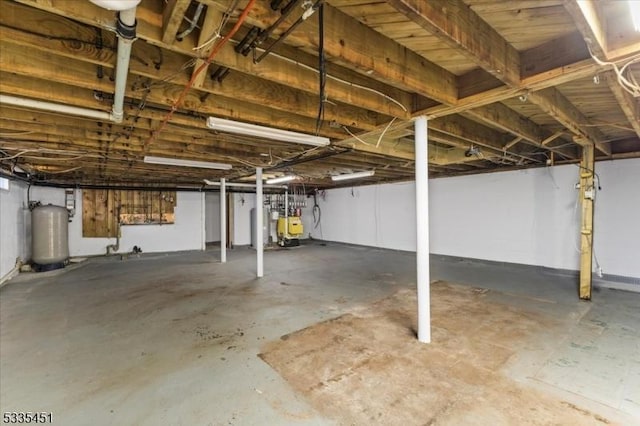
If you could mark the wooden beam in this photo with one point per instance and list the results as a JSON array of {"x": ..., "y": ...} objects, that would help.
[
  {"x": 474, "y": 133},
  {"x": 556, "y": 105},
  {"x": 212, "y": 20},
  {"x": 587, "y": 195},
  {"x": 353, "y": 89},
  {"x": 551, "y": 138},
  {"x": 556, "y": 53},
  {"x": 588, "y": 20},
  {"x": 544, "y": 80},
  {"x": 499, "y": 115},
  {"x": 628, "y": 103},
  {"x": 172, "y": 17},
  {"x": 238, "y": 86},
  {"x": 25, "y": 85},
  {"x": 512, "y": 143},
  {"x": 461, "y": 28},
  {"x": 350, "y": 43}
]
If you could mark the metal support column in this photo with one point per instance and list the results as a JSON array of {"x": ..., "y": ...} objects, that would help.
[
  {"x": 259, "y": 224},
  {"x": 422, "y": 229},
  {"x": 587, "y": 196},
  {"x": 223, "y": 221}
]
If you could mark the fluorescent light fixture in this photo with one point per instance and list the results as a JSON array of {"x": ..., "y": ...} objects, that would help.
[
  {"x": 281, "y": 179},
  {"x": 634, "y": 6},
  {"x": 357, "y": 175},
  {"x": 185, "y": 163},
  {"x": 241, "y": 184},
  {"x": 247, "y": 129}
]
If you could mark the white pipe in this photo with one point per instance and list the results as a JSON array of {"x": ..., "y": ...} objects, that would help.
[
  {"x": 54, "y": 107},
  {"x": 223, "y": 221},
  {"x": 125, "y": 29},
  {"x": 128, "y": 18},
  {"x": 422, "y": 229},
  {"x": 259, "y": 225}
]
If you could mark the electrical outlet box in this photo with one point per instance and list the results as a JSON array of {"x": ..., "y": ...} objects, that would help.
[
  {"x": 70, "y": 201},
  {"x": 589, "y": 194}
]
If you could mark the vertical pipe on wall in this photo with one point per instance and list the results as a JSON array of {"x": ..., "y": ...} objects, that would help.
[
  {"x": 223, "y": 220},
  {"x": 422, "y": 229},
  {"x": 259, "y": 225}
]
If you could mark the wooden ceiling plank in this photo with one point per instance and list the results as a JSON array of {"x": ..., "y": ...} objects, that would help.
[
  {"x": 480, "y": 42},
  {"x": 558, "y": 106},
  {"x": 353, "y": 44},
  {"x": 505, "y": 118},
  {"x": 462, "y": 29},
  {"x": 227, "y": 107},
  {"x": 212, "y": 20},
  {"x": 586, "y": 16},
  {"x": 242, "y": 87},
  {"x": 276, "y": 69}
]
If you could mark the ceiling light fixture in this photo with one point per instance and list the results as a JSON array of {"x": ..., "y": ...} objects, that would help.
[
  {"x": 282, "y": 179},
  {"x": 186, "y": 163},
  {"x": 634, "y": 6},
  {"x": 247, "y": 129},
  {"x": 241, "y": 184},
  {"x": 357, "y": 175}
]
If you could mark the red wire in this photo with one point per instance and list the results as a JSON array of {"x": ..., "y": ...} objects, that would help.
[{"x": 206, "y": 63}]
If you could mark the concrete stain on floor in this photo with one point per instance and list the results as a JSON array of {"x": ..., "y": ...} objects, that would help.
[
  {"x": 368, "y": 368},
  {"x": 174, "y": 340}
]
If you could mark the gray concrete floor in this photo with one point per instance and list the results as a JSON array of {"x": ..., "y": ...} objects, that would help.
[{"x": 173, "y": 339}]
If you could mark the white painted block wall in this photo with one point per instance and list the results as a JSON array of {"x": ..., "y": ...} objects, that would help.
[
  {"x": 526, "y": 216},
  {"x": 212, "y": 216},
  {"x": 15, "y": 227},
  {"x": 242, "y": 205}
]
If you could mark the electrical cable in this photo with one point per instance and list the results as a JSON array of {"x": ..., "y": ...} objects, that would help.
[
  {"x": 384, "y": 131},
  {"x": 339, "y": 80},
  {"x": 59, "y": 171},
  {"x": 356, "y": 137},
  {"x": 316, "y": 210},
  {"x": 591, "y": 171},
  {"x": 223, "y": 21},
  {"x": 201, "y": 68},
  {"x": 629, "y": 84}
]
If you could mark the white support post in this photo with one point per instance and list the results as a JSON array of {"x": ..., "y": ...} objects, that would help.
[
  {"x": 223, "y": 221},
  {"x": 203, "y": 221},
  {"x": 259, "y": 224},
  {"x": 422, "y": 229}
]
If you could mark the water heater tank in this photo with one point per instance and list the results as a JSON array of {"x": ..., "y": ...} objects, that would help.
[{"x": 50, "y": 236}]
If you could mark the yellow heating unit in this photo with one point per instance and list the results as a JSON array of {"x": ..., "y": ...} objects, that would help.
[{"x": 289, "y": 230}]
